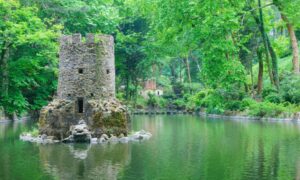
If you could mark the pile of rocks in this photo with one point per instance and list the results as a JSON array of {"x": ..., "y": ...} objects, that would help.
[
  {"x": 137, "y": 136},
  {"x": 79, "y": 133},
  {"x": 83, "y": 135},
  {"x": 107, "y": 105},
  {"x": 41, "y": 139},
  {"x": 56, "y": 118},
  {"x": 107, "y": 116}
]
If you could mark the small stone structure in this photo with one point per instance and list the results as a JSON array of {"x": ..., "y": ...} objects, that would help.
[
  {"x": 86, "y": 89},
  {"x": 150, "y": 87}
]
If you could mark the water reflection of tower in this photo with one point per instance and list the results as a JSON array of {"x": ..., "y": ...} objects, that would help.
[{"x": 100, "y": 162}]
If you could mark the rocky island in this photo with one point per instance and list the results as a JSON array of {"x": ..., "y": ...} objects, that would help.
[{"x": 85, "y": 106}]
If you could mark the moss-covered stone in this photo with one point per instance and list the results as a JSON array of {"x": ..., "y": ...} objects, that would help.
[
  {"x": 102, "y": 116},
  {"x": 109, "y": 117}
]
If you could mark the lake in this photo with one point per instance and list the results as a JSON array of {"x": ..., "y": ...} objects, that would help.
[{"x": 182, "y": 147}]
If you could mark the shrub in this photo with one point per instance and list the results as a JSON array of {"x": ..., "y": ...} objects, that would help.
[
  {"x": 152, "y": 101},
  {"x": 191, "y": 87},
  {"x": 266, "y": 109},
  {"x": 215, "y": 110},
  {"x": 140, "y": 102},
  {"x": 282, "y": 46},
  {"x": 201, "y": 97},
  {"x": 162, "y": 103},
  {"x": 232, "y": 93},
  {"x": 268, "y": 90},
  {"x": 34, "y": 132},
  {"x": 120, "y": 96},
  {"x": 234, "y": 105},
  {"x": 247, "y": 102},
  {"x": 273, "y": 98},
  {"x": 179, "y": 103},
  {"x": 290, "y": 88},
  {"x": 178, "y": 89}
]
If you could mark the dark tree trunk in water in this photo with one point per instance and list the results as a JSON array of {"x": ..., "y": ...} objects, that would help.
[
  {"x": 294, "y": 44},
  {"x": 260, "y": 72}
]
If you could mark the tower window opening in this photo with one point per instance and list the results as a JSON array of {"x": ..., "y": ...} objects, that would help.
[
  {"x": 80, "y": 71},
  {"x": 80, "y": 105},
  {"x": 92, "y": 94},
  {"x": 107, "y": 71}
]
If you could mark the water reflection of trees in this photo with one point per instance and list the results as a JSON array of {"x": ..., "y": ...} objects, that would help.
[
  {"x": 216, "y": 149},
  {"x": 85, "y": 161},
  {"x": 12, "y": 129}
]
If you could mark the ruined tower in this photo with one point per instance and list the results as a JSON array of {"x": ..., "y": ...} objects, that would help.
[
  {"x": 86, "y": 69},
  {"x": 86, "y": 88}
]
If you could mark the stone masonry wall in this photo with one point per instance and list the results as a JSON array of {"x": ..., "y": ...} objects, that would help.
[{"x": 86, "y": 69}]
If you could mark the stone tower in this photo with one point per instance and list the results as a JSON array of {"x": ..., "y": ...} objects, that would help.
[
  {"x": 86, "y": 69},
  {"x": 86, "y": 89}
]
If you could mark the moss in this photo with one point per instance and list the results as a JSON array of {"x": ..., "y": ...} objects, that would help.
[
  {"x": 42, "y": 119},
  {"x": 115, "y": 123},
  {"x": 98, "y": 120}
]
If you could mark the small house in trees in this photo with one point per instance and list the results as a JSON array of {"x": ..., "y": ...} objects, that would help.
[{"x": 150, "y": 87}]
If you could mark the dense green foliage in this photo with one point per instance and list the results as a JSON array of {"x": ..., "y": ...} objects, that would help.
[
  {"x": 31, "y": 60},
  {"x": 218, "y": 56}
]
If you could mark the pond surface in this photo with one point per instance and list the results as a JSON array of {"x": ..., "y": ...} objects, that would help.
[{"x": 182, "y": 147}]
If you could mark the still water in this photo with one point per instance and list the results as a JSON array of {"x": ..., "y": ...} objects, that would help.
[{"x": 182, "y": 147}]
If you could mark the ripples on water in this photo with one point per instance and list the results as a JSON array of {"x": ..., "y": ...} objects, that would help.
[{"x": 182, "y": 147}]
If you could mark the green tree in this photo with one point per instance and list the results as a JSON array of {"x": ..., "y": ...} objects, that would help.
[
  {"x": 289, "y": 14},
  {"x": 28, "y": 60}
]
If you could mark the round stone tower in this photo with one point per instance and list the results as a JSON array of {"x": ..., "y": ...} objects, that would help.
[
  {"x": 86, "y": 69},
  {"x": 86, "y": 88}
]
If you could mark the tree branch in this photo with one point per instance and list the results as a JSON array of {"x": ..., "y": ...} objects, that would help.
[{"x": 260, "y": 7}]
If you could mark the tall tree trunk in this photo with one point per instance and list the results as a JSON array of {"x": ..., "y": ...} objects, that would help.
[
  {"x": 262, "y": 31},
  {"x": 260, "y": 72},
  {"x": 188, "y": 69},
  {"x": 173, "y": 72},
  {"x": 135, "y": 90},
  {"x": 188, "y": 72},
  {"x": 252, "y": 79},
  {"x": 269, "y": 65},
  {"x": 180, "y": 68},
  {"x": 198, "y": 66},
  {"x": 269, "y": 47},
  {"x": 4, "y": 67},
  {"x": 294, "y": 44},
  {"x": 197, "y": 63},
  {"x": 127, "y": 88},
  {"x": 274, "y": 63}
]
